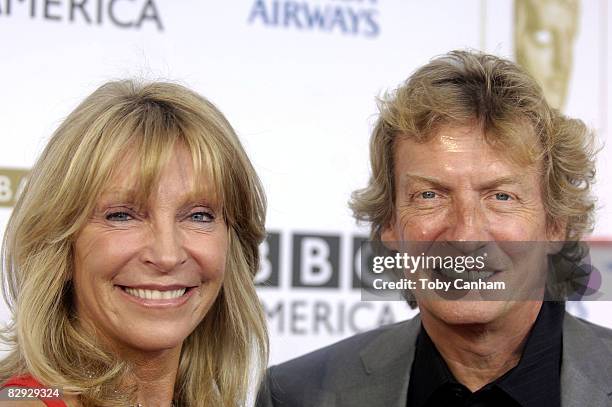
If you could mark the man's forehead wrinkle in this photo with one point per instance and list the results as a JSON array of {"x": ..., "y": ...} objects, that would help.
[
  {"x": 448, "y": 142},
  {"x": 463, "y": 152},
  {"x": 457, "y": 139},
  {"x": 477, "y": 182}
]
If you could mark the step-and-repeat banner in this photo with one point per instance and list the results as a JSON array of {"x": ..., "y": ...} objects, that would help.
[{"x": 298, "y": 80}]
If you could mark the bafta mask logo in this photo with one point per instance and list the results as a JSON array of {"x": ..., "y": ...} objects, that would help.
[
  {"x": 12, "y": 181},
  {"x": 545, "y": 31}
]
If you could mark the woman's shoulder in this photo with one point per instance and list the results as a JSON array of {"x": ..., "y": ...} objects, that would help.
[
  {"x": 29, "y": 403},
  {"x": 21, "y": 381},
  {"x": 8, "y": 396}
]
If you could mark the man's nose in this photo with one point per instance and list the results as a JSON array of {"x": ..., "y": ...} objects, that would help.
[
  {"x": 468, "y": 229},
  {"x": 165, "y": 250}
]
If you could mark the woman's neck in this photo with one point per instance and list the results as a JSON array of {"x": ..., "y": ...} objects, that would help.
[{"x": 154, "y": 375}]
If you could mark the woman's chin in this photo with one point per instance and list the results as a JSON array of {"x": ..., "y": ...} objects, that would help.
[{"x": 153, "y": 340}]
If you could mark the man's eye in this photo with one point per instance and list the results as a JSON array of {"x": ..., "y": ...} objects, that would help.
[
  {"x": 501, "y": 196},
  {"x": 428, "y": 195},
  {"x": 202, "y": 217},
  {"x": 119, "y": 216}
]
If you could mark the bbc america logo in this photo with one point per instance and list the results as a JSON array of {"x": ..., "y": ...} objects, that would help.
[
  {"x": 315, "y": 261},
  {"x": 127, "y": 15}
]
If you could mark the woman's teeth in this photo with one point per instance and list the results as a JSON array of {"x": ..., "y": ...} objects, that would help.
[{"x": 154, "y": 294}]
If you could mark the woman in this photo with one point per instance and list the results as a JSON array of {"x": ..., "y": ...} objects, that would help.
[{"x": 130, "y": 255}]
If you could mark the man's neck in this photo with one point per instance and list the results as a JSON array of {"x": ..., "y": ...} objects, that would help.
[{"x": 477, "y": 354}]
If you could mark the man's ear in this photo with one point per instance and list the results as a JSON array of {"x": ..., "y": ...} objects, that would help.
[
  {"x": 556, "y": 232},
  {"x": 388, "y": 236}
]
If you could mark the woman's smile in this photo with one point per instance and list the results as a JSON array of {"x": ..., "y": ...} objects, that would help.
[{"x": 161, "y": 297}]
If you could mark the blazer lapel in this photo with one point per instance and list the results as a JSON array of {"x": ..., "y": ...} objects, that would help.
[
  {"x": 586, "y": 379},
  {"x": 386, "y": 369},
  {"x": 586, "y": 376}
]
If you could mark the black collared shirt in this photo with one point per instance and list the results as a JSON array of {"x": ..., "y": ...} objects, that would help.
[{"x": 534, "y": 382}]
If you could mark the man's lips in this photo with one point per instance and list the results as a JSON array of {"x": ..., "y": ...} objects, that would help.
[{"x": 471, "y": 274}]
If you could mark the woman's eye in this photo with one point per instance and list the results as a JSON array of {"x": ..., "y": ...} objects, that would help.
[
  {"x": 428, "y": 195},
  {"x": 119, "y": 216},
  {"x": 501, "y": 196},
  {"x": 202, "y": 217}
]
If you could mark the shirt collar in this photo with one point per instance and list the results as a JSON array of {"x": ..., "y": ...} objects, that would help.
[{"x": 535, "y": 381}]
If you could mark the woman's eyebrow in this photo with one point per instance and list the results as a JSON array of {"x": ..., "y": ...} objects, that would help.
[{"x": 118, "y": 194}]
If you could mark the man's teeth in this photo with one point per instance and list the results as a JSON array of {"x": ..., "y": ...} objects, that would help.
[
  {"x": 470, "y": 275},
  {"x": 154, "y": 294}
]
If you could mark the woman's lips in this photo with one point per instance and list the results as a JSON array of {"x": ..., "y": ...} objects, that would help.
[{"x": 160, "y": 297}]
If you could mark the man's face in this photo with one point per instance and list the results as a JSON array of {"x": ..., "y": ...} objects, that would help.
[{"x": 456, "y": 188}]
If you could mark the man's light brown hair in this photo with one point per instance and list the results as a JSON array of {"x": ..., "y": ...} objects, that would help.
[{"x": 467, "y": 88}]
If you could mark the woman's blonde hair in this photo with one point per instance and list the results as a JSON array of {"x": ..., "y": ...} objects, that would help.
[
  {"x": 220, "y": 356},
  {"x": 466, "y": 88}
]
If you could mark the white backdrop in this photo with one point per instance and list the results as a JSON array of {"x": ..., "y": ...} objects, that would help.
[{"x": 298, "y": 81}]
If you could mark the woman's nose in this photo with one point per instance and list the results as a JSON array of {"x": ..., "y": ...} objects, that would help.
[{"x": 165, "y": 250}]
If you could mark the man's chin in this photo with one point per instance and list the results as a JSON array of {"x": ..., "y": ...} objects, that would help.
[{"x": 465, "y": 312}]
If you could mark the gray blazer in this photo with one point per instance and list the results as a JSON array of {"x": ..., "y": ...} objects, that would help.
[{"x": 373, "y": 369}]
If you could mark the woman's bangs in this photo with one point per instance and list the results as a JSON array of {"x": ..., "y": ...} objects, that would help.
[{"x": 148, "y": 153}]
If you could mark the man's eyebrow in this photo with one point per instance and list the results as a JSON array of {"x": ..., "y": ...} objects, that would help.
[
  {"x": 409, "y": 178},
  {"x": 506, "y": 180}
]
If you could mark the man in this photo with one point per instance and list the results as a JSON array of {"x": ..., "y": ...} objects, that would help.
[{"x": 467, "y": 154}]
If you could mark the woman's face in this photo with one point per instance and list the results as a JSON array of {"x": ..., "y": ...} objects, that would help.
[{"x": 146, "y": 276}]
